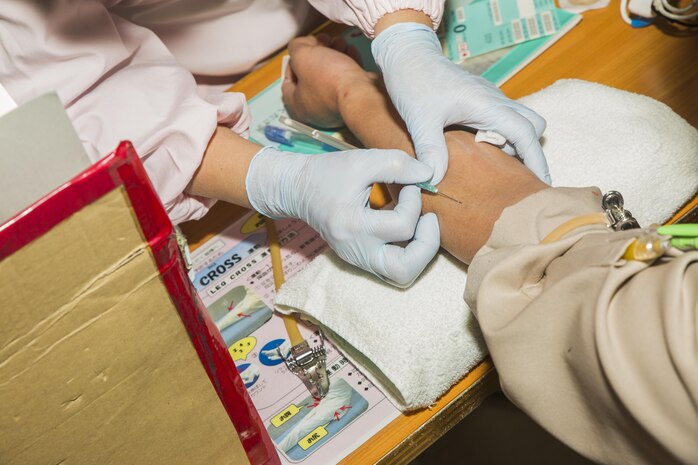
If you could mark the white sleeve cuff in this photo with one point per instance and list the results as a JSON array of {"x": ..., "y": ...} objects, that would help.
[{"x": 365, "y": 14}]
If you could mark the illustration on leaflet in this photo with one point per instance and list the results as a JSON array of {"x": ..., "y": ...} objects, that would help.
[
  {"x": 238, "y": 313},
  {"x": 305, "y": 426}
]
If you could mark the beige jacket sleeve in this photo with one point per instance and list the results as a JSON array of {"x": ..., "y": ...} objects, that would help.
[{"x": 602, "y": 352}]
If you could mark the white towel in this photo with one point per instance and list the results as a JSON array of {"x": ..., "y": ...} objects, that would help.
[
  {"x": 617, "y": 140},
  {"x": 415, "y": 343}
]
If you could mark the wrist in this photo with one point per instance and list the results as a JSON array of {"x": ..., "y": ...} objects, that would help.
[
  {"x": 503, "y": 180},
  {"x": 487, "y": 181},
  {"x": 353, "y": 92},
  {"x": 403, "y": 40},
  {"x": 271, "y": 180},
  {"x": 402, "y": 16}
]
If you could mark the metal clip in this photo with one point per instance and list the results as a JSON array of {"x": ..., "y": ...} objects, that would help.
[
  {"x": 309, "y": 365},
  {"x": 618, "y": 218}
]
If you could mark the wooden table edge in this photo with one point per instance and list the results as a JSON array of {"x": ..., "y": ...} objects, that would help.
[{"x": 424, "y": 427}]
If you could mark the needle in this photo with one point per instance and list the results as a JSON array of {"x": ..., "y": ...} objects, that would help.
[
  {"x": 341, "y": 145},
  {"x": 429, "y": 188}
]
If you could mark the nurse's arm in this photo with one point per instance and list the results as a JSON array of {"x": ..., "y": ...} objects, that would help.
[{"x": 222, "y": 172}]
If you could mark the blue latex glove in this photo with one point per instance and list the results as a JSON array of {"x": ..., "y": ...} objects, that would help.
[
  {"x": 330, "y": 192},
  {"x": 430, "y": 92}
]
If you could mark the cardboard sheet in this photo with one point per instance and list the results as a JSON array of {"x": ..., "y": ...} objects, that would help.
[{"x": 95, "y": 364}]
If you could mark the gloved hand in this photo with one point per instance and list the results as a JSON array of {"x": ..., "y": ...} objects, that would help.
[
  {"x": 330, "y": 192},
  {"x": 430, "y": 92}
]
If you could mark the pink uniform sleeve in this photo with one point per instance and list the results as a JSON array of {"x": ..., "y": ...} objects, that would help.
[
  {"x": 117, "y": 82},
  {"x": 365, "y": 14}
]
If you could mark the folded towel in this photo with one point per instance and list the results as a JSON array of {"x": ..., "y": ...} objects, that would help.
[
  {"x": 415, "y": 343},
  {"x": 617, "y": 140}
]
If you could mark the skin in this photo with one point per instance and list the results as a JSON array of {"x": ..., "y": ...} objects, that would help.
[
  {"x": 401, "y": 16},
  {"x": 222, "y": 172},
  {"x": 328, "y": 88}
]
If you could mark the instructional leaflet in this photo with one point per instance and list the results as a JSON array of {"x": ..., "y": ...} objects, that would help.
[
  {"x": 477, "y": 27},
  {"x": 233, "y": 276}
]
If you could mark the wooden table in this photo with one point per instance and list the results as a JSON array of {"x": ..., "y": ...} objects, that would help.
[{"x": 602, "y": 48}]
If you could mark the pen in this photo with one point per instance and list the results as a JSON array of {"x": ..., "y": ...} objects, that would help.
[
  {"x": 294, "y": 138},
  {"x": 315, "y": 134},
  {"x": 341, "y": 145}
]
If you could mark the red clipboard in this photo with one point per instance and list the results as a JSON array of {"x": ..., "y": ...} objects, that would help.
[{"x": 124, "y": 168}]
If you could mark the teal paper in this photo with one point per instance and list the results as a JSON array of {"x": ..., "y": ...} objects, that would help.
[{"x": 481, "y": 26}]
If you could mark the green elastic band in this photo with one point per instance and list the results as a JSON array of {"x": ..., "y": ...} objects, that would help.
[
  {"x": 685, "y": 243},
  {"x": 680, "y": 230}
]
